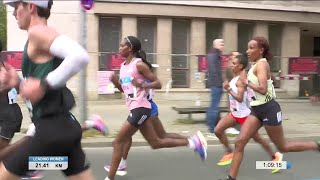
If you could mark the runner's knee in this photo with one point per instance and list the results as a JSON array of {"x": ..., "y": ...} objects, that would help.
[
  {"x": 155, "y": 143},
  {"x": 240, "y": 143},
  {"x": 283, "y": 148},
  {"x": 218, "y": 131},
  {"x": 119, "y": 141}
]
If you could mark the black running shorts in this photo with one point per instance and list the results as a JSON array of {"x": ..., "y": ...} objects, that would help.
[
  {"x": 269, "y": 113},
  {"x": 138, "y": 116},
  {"x": 10, "y": 120},
  {"x": 55, "y": 136}
]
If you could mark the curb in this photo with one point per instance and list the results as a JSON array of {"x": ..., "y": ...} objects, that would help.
[{"x": 106, "y": 142}]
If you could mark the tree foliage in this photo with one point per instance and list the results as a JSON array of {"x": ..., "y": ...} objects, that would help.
[{"x": 3, "y": 25}]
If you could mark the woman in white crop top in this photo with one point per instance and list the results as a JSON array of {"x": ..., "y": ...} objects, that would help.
[{"x": 239, "y": 109}]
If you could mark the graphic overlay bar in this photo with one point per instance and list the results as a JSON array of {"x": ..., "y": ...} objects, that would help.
[
  {"x": 273, "y": 165},
  {"x": 48, "y": 162}
]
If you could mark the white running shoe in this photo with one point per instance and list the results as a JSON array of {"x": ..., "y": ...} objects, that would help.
[{"x": 232, "y": 131}]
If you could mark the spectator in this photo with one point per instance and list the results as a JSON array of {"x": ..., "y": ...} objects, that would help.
[{"x": 215, "y": 83}]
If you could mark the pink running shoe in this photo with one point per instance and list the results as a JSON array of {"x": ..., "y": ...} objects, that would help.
[
  {"x": 99, "y": 124},
  {"x": 33, "y": 175},
  {"x": 122, "y": 170}
]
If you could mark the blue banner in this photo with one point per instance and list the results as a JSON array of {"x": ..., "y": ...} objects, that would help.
[{"x": 48, "y": 158}]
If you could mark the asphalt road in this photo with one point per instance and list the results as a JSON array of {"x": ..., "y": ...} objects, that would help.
[{"x": 184, "y": 164}]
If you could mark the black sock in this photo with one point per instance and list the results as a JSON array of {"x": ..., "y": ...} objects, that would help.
[{"x": 231, "y": 178}]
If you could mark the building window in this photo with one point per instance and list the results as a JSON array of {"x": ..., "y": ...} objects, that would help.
[
  {"x": 213, "y": 31},
  {"x": 316, "y": 46},
  {"x": 245, "y": 32},
  {"x": 147, "y": 35},
  {"x": 180, "y": 45},
  {"x": 109, "y": 40},
  {"x": 275, "y": 36}
]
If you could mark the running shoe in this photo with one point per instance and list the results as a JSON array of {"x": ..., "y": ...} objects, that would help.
[
  {"x": 211, "y": 136},
  {"x": 99, "y": 124},
  {"x": 225, "y": 160},
  {"x": 31, "y": 130},
  {"x": 122, "y": 170},
  {"x": 200, "y": 146},
  {"x": 228, "y": 178},
  {"x": 33, "y": 175},
  {"x": 203, "y": 139},
  {"x": 232, "y": 131},
  {"x": 278, "y": 158}
]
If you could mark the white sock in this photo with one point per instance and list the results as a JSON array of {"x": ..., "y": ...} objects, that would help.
[
  {"x": 31, "y": 130},
  {"x": 191, "y": 144},
  {"x": 89, "y": 123},
  {"x": 107, "y": 178},
  {"x": 123, "y": 162}
]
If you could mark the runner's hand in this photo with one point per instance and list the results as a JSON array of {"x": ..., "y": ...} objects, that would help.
[
  {"x": 32, "y": 90},
  {"x": 8, "y": 77},
  {"x": 226, "y": 85}
]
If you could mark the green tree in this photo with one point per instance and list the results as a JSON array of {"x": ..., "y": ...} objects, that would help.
[{"x": 3, "y": 25}]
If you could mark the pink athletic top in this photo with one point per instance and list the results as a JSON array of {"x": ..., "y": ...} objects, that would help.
[{"x": 136, "y": 97}]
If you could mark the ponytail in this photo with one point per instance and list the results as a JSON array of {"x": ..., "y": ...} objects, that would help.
[
  {"x": 135, "y": 44},
  {"x": 141, "y": 54},
  {"x": 268, "y": 55}
]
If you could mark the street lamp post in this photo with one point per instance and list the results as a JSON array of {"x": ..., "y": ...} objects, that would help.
[
  {"x": 83, "y": 83},
  {"x": 85, "y": 5}
]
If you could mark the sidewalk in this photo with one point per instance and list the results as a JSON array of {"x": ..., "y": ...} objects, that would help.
[{"x": 300, "y": 120}]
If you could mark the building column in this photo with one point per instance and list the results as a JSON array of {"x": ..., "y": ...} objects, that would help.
[
  {"x": 93, "y": 66},
  {"x": 129, "y": 26},
  {"x": 261, "y": 29},
  {"x": 163, "y": 49},
  {"x": 230, "y": 36},
  {"x": 197, "y": 46},
  {"x": 93, "y": 48},
  {"x": 290, "y": 47}
]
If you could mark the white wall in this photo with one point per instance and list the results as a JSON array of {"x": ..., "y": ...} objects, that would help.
[
  {"x": 303, "y": 6},
  {"x": 64, "y": 17}
]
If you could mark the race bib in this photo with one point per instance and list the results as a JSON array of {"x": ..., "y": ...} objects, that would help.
[
  {"x": 251, "y": 94},
  {"x": 127, "y": 87},
  {"x": 28, "y": 103},
  {"x": 12, "y": 96},
  {"x": 274, "y": 92},
  {"x": 151, "y": 94},
  {"x": 29, "y": 107},
  {"x": 233, "y": 103}
]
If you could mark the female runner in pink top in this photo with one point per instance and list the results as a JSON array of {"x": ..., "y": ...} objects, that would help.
[{"x": 132, "y": 82}]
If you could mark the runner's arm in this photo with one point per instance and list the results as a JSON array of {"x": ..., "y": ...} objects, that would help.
[
  {"x": 148, "y": 74},
  {"x": 262, "y": 74},
  {"x": 241, "y": 89},
  {"x": 75, "y": 57},
  {"x": 115, "y": 80}
]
